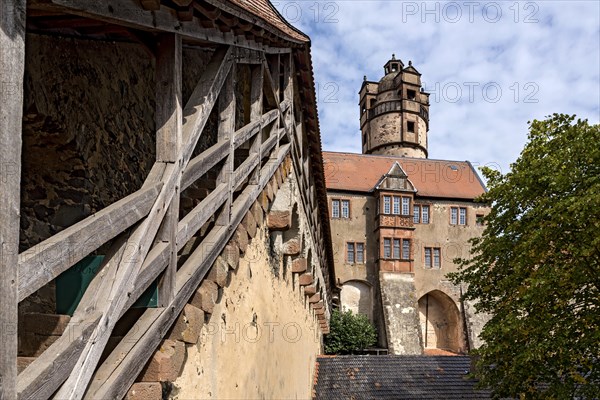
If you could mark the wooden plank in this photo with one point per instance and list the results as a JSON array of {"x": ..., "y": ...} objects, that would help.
[
  {"x": 134, "y": 350},
  {"x": 203, "y": 98},
  {"x": 256, "y": 107},
  {"x": 168, "y": 118},
  {"x": 202, "y": 163},
  {"x": 226, "y": 131},
  {"x": 45, "y": 261},
  {"x": 12, "y": 65},
  {"x": 128, "y": 13}
]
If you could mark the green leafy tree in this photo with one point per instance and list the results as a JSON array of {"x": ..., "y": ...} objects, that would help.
[
  {"x": 536, "y": 268},
  {"x": 349, "y": 333}
]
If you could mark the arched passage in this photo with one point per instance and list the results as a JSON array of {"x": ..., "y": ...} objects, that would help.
[
  {"x": 440, "y": 322},
  {"x": 357, "y": 296}
]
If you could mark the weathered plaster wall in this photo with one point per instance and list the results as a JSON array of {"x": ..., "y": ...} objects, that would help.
[{"x": 262, "y": 338}]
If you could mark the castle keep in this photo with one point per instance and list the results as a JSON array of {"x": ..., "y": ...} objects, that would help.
[{"x": 399, "y": 219}]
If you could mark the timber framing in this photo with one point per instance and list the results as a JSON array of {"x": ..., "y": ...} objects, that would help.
[{"x": 144, "y": 229}]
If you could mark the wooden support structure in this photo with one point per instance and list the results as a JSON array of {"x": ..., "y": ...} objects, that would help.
[
  {"x": 142, "y": 231},
  {"x": 12, "y": 65}
]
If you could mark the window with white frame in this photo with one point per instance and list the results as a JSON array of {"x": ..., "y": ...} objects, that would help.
[
  {"x": 350, "y": 252},
  {"x": 406, "y": 206},
  {"x": 424, "y": 214},
  {"x": 453, "y": 215},
  {"x": 462, "y": 216},
  {"x": 386, "y": 204},
  {"x": 421, "y": 214},
  {"x": 396, "y": 248},
  {"x": 416, "y": 214},
  {"x": 432, "y": 257},
  {"x": 335, "y": 208},
  {"x": 360, "y": 253},
  {"x": 396, "y": 205},
  {"x": 345, "y": 208}
]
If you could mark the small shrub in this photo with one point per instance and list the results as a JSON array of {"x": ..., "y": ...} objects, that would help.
[{"x": 349, "y": 333}]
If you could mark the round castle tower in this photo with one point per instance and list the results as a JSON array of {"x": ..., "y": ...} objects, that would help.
[{"x": 394, "y": 113}]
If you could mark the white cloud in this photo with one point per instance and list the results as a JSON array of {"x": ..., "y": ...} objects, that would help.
[{"x": 544, "y": 56}]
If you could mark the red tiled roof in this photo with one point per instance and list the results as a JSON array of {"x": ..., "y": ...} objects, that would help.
[{"x": 432, "y": 178}]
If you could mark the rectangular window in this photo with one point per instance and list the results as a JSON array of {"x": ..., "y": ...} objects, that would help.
[
  {"x": 410, "y": 126},
  {"x": 462, "y": 220},
  {"x": 350, "y": 253},
  {"x": 405, "y": 249},
  {"x": 436, "y": 257},
  {"x": 397, "y": 248},
  {"x": 453, "y": 215},
  {"x": 345, "y": 208},
  {"x": 428, "y": 257},
  {"x": 411, "y": 94},
  {"x": 386, "y": 204},
  {"x": 405, "y": 206},
  {"x": 386, "y": 248},
  {"x": 335, "y": 208},
  {"x": 416, "y": 214},
  {"x": 396, "y": 205},
  {"x": 360, "y": 253},
  {"x": 425, "y": 214},
  {"x": 432, "y": 257},
  {"x": 479, "y": 219}
]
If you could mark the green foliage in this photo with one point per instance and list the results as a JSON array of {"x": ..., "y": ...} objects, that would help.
[
  {"x": 349, "y": 333},
  {"x": 536, "y": 269}
]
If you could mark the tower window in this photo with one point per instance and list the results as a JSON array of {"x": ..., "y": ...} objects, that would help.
[
  {"x": 411, "y": 94},
  {"x": 410, "y": 126},
  {"x": 394, "y": 67}
]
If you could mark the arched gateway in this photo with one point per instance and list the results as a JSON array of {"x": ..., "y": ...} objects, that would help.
[{"x": 441, "y": 323}]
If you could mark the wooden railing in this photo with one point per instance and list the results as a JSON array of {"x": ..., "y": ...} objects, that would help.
[{"x": 145, "y": 230}]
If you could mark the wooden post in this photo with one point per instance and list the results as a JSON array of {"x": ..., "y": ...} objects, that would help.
[
  {"x": 168, "y": 146},
  {"x": 256, "y": 99},
  {"x": 288, "y": 93},
  {"x": 226, "y": 131},
  {"x": 12, "y": 65}
]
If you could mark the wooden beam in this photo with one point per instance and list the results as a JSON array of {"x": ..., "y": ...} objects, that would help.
[
  {"x": 45, "y": 261},
  {"x": 131, "y": 354},
  {"x": 12, "y": 65},
  {"x": 168, "y": 146},
  {"x": 226, "y": 130},
  {"x": 256, "y": 107}
]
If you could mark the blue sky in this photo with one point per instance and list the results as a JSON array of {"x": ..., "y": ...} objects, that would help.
[{"x": 490, "y": 66}]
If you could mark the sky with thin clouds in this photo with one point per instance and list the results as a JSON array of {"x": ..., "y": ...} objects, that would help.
[{"x": 490, "y": 67}]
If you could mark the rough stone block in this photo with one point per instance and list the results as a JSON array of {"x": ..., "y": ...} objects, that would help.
[
  {"x": 279, "y": 220},
  {"x": 319, "y": 311},
  {"x": 310, "y": 290},
  {"x": 315, "y": 298},
  {"x": 219, "y": 272},
  {"x": 305, "y": 279},
  {"x": 45, "y": 324},
  {"x": 258, "y": 213},
  {"x": 299, "y": 265},
  {"x": 145, "y": 391},
  {"x": 317, "y": 306},
  {"x": 249, "y": 224},
  {"x": 263, "y": 200},
  {"x": 292, "y": 247},
  {"x": 23, "y": 362},
  {"x": 33, "y": 345},
  {"x": 188, "y": 325},
  {"x": 206, "y": 296},
  {"x": 231, "y": 255},
  {"x": 240, "y": 238},
  {"x": 165, "y": 364},
  {"x": 270, "y": 192}
]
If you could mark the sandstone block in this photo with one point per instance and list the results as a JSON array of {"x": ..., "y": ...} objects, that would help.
[
  {"x": 258, "y": 213},
  {"x": 317, "y": 306},
  {"x": 145, "y": 391},
  {"x": 206, "y": 296},
  {"x": 305, "y": 279},
  {"x": 279, "y": 220},
  {"x": 299, "y": 265},
  {"x": 219, "y": 272},
  {"x": 270, "y": 192},
  {"x": 249, "y": 223},
  {"x": 165, "y": 364},
  {"x": 292, "y": 247},
  {"x": 188, "y": 325},
  {"x": 315, "y": 298},
  {"x": 45, "y": 324},
  {"x": 310, "y": 290},
  {"x": 240, "y": 238},
  {"x": 33, "y": 345},
  {"x": 263, "y": 200},
  {"x": 231, "y": 255}
]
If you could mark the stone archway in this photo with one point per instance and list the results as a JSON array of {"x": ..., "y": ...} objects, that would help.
[
  {"x": 357, "y": 296},
  {"x": 440, "y": 322}
]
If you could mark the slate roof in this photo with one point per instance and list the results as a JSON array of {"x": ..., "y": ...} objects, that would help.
[
  {"x": 432, "y": 178},
  {"x": 395, "y": 377}
]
